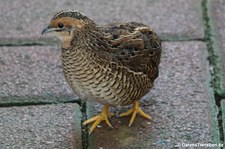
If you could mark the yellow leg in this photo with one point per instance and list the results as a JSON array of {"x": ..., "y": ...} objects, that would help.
[
  {"x": 99, "y": 118},
  {"x": 135, "y": 109}
]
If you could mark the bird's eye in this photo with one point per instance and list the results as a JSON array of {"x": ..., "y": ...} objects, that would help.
[{"x": 60, "y": 25}]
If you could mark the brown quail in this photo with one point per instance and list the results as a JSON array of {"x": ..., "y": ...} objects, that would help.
[{"x": 114, "y": 65}]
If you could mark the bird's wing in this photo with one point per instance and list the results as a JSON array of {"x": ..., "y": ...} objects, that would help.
[{"x": 135, "y": 45}]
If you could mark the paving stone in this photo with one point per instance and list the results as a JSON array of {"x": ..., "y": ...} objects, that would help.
[
  {"x": 181, "y": 103},
  {"x": 32, "y": 74},
  {"x": 49, "y": 126},
  {"x": 169, "y": 18},
  {"x": 217, "y": 21}
]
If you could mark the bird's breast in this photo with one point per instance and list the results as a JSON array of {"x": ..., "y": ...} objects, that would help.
[{"x": 98, "y": 82}]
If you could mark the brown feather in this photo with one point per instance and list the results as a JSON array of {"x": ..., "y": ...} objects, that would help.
[{"x": 114, "y": 64}]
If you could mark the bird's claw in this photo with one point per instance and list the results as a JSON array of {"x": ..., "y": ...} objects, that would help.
[
  {"x": 135, "y": 109},
  {"x": 103, "y": 116}
]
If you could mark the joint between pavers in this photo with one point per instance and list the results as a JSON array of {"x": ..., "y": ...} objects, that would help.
[
  {"x": 219, "y": 99},
  {"x": 27, "y": 42},
  {"x": 84, "y": 129},
  {"x": 8, "y": 101},
  {"x": 214, "y": 59},
  {"x": 214, "y": 63},
  {"x": 21, "y": 104},
  {"x": 176, "y": 38}
]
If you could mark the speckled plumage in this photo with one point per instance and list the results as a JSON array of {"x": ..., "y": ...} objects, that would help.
[
  {"x": 114, "y": 74},
  {"x": 115, "y": 64}
]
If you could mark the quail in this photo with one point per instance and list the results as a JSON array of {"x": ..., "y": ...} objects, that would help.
[{"x": 114, "y": 64}]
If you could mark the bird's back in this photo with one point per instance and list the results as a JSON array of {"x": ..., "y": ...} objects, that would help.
[{"x": 136, "y": 46}]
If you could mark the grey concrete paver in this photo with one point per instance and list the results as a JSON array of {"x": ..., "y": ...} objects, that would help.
[
  {"x": 48, "y": 126},
  {"x": 32, "y": 74},
  {"x": 168, "y": 18},
  {"x": 181, "y": 104}
]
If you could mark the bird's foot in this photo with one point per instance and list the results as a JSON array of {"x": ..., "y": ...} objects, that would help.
[
  {"x": 135, "y": 109},
  {"x": 103, "y": 116}
]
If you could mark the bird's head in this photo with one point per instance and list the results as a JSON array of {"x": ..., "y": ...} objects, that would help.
[{"x": 66, "y": 22}]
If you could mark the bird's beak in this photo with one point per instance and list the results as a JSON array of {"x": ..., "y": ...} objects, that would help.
[{"x": 47, "y": 30}]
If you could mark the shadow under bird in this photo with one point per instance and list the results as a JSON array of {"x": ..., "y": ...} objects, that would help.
[{"x": 114, "y": 65}]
